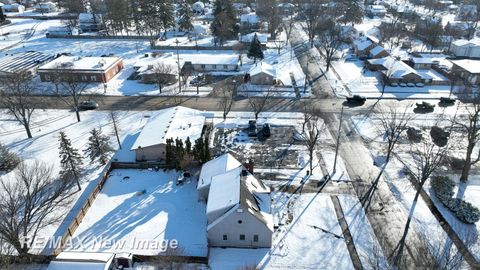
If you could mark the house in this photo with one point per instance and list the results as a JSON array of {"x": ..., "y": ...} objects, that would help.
[
  {"x": 467, "y": 69},
  {"x": 23, "y": 62},
  {"x": 219, "y": 165},
  {"x": 395, "y": 71},
  {"x": 247, "y": 39},
  {"x": 422, "y": 62},
  {"x": 376, "y": 10},
  {"x": 238, "y": 206},
  {"x": 45, "y": 7},
  {"x": 362, "y": 47},
  {"x": 13, "y": 8},
  {"x": 263, "y": 74},
  {"x": 207, "y": 62},
  {"x": 176, "y": 122},
  {"x": 149, "y": 70},
  {"x": 62, "y": 31},
  {"x": 377, "y": 52},
  {"x": 89, "y": 22},
  {"x": 83, "y": 260},
  {"x": 249, "y": 20},
  {"x": 81, "y": 69},
  {"x": 466, "y": 48}
]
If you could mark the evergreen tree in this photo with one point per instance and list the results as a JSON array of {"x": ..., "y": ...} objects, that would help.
[
  {"x": 179, "y": 152},
  {"x": 198, "y": 150},
  {"x": 188, "y": 146},
  {"x": 169, "y": 153},
  {"x": 8, "y": 160},
  {"x": 206, "y": 152},
  {"x": 255, "y": 50},
  {"x": 224, "y": 25},
  {"x": 70, "y": 160},
  {"x": 98, "y": 147},
  {"x": 185, "y": 15},
  {"x": 166, "y": 15}
]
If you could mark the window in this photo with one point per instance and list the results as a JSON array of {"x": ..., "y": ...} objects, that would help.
[
  {"x": 84, "y": 78},
  {"x": 225, "y": 238},
  {"x": 240, "y": 221},
  {"x": 255, "y": 238},
  {"x": 93, "y": 78},
  {"x": 214, "y": 66},
  {"x": 225, "y": 66},
  {"x": 47, "y": 77},
  {"x": 242, "y": 237},
  {"x": 202, "y": 66}
]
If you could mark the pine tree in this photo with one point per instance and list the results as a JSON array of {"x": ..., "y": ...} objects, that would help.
[
  {"x": 185, "y": 15},
  {"x": 98, "y": 147},
  {"x": 206, "y": 151},
  {"x": 198, "y": 150},
  {"x": 169, "y": 153},
  {"x": 224, "y": 25},
  {"x": 179, "y": 152},
  {"x": 255, "y": 50},
  {"x": 8, "y": 160},
  {"x": 70, "y": 160},
  {"x": 166, "y": 15},
  {"x": 188, "y": 146}
]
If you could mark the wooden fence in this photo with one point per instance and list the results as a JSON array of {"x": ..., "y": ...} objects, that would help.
[{"x": 86, "y": 206}]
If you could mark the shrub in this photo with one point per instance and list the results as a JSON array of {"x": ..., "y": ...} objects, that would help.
[
  {"x": 8, "y": 160},
  {"x": 443, "y": 188},
  {"x": 456, "y": 163},
  {"x": 439, "y": 136}
]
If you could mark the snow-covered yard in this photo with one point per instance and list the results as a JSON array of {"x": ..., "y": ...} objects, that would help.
[{"x": 140, "y": 210}]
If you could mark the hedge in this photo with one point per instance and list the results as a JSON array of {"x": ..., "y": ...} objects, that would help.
[{"x": 443, "y": 188}]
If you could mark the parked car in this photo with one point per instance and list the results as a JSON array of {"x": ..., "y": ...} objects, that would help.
[
  {"x": 425, "y": 106},
  {"x": 252, "y": 128},
  {"x": 445, "y": 101},
  {"x": 266, "y": 130},
  {"x": 88, "y": 105},
  {"x": 356, "y": 99}
]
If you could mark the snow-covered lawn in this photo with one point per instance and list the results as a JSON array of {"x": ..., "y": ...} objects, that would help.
[
  {"x": 311, "y": 240},
  {"x": 142, "y": 206},
  {"x": 361, "y": 81}
]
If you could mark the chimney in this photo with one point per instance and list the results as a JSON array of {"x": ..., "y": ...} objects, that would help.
[{"x": 249, "y": 166}]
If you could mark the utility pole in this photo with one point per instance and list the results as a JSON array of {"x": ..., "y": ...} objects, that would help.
[
  {"x": 338, "y": 142},
  {"x": 178, "y": 64}
]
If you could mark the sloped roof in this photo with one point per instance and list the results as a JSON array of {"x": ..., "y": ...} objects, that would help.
[
  {"x": 263, "y": 38},
  {"x": 81, "y": 261},
  {"x": 23, "y": 61},
  {"x": 249, "y": 18},
  {"x": 224, "y": 193},
  {"x": 472, "y": 66},
  {"x": 176, "y": 122},
  {"x": 362, "y": 44},
  {"x": 470, "y": 43},
  {"x": 263, "y": 67},
  {"x": 219, "y": 165},
  {"x": 376, "y": 50}
]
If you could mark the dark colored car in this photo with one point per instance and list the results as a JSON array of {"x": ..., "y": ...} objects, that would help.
[
  {"x": 252, "y": 128},
  {"x": 266, "y": 130},
  {"x": 425, "y": 106},
  {"x": 445, "y": 101},
  {"x": 356, "y": 99},
  {"x": 88, "y": 105}
]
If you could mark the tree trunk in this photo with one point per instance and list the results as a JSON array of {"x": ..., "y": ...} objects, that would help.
[
  {"x": 467, "y": 165},
  {"x": 27, "y": 129},
  {"x": 77, "y": 112},
  {"x": 311, "y": 161},
  {"x": 401, "y": 244}
]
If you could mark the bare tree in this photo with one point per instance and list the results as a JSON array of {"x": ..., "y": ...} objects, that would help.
[
  {"x": 30, "y": 200},
  {"x": 69, "y": 88},
  {"x": 162, "y": 74},
  {"x": 259, "y": 103},
  {"x": 268, "y": 11},
  {"x": 226, "y": 101},
  {"x": 393, "y": 124},
  {"x": 311, "y": 12},
  {"x": 427, "y": 157},
  {"x": 329, "y": 40},
  {"x": 115, "y": 118},
  {"x": 469, "y": 124},
  {"x": 16, "y": 96},
  {"x": 311, "y": 135}
]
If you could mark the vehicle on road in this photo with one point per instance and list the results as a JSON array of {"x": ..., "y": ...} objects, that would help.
[
  {"x": 266, "y": 130},
  {"x": 425, "y": 105},
  {"x": 356, "y": 100},
  {"x": 88, "y": 105},
  {"x": 445, "y": 101}
]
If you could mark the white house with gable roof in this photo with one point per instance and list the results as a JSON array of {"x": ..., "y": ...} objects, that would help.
[
  {"x": 238, "y": 205},
  {"x": 176, "y": 122}
]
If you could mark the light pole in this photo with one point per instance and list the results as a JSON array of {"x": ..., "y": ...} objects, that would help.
[
  {"x": 305, "y": 85},
  {"x": 338, "y": 142},
  {"x": 178, "y": 64}
]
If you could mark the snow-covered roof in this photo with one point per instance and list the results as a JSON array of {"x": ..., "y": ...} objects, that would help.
[
  {"x": 147, "y": 65},
  {"x": 377, "y": 8},
  {"x": 82, "y": 261},
  {"x": 249, "y": 18},
  {"x": 176, "y": 122},
  {"x": 263, "y": 38},
  {"x": 219, "y": 165},
  {"x": 22, "y": 61},
  {"x": 395, "y": 68},
  {"x": 263, "y": 68},
  {"x": 421, "y": 60},
  {"x": 238, "y": 190},
  {"x": 209, "y": 59},
  {"x": 467, "y": 43},
  {"x": 376, "y": 50},
  {"x": 471, "y": 66},
  {"x": 362, "y": 44},
  {"x": 76, "y": 63},
  {"x": 198, "y": 6},
  {"x": 88, "y": 18}
]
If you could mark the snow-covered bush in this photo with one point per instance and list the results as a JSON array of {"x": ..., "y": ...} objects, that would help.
[
  {"x": 8, "y": 160},
  {"x": 443, "y": 188}
]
